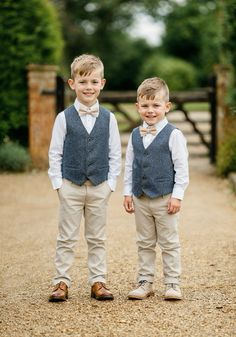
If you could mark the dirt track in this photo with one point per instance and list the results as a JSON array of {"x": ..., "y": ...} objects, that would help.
[{"x": 28, "y": 216}]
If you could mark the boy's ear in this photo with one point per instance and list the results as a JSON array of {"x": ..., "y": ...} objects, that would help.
[
  {"x": 168, "y": 106},
  {"x": 103, "y": 83},
  {"x": 71, "y": 83}
]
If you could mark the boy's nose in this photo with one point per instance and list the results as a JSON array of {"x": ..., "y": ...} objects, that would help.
[{"x": 88, "y": 85}]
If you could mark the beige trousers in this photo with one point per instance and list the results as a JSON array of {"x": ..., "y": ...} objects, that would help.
[
  {"x": 91, "y": 202},
  {"x": 155, "y": 226}
]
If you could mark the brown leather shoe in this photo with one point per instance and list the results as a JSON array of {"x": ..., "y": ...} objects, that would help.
[
  {"x": 100, "y": 292},
  {"x": 59, "y": 293}
]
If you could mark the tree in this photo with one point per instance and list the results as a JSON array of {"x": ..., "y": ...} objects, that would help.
[
  {"x": 29, "y": 33},
  {"x": 228, "y": 45},
  {"x": 193, "y": 34},
  {"x": 101, "y": 27}
]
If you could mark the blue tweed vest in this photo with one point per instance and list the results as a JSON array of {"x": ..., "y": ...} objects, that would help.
[
  {"x": 85, "y": 156},
  {"x": 153, "y": 171}
]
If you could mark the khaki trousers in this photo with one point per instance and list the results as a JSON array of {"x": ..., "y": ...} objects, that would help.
[
  {"x": 155, "y": 226},
  {"x": 91, "y": 202}
]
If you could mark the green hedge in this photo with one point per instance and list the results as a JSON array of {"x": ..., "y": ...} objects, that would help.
[
  {"x": 14, "y": 158},
  {"x": 29, "y": 33},
  {"x": 178, "y": 74},
  {"x": 229, "y": 48},
  {"x": 226, "y": 156}
]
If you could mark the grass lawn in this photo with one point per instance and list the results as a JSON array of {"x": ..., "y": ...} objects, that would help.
[{"x": 199, "y": 106}]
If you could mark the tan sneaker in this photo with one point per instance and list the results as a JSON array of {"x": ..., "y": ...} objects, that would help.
[
  {"x": 172, "y": 292},
  {"x": 143, "y": 291}
]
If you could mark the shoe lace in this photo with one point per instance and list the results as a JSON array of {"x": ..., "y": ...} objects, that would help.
[
  {"x": 143, "y": 283},
  {"x": 102, "y": 285},
  {"x": 172, "y": 285}
]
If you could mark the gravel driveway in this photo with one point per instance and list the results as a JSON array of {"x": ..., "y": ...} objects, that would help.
[{"x": 28, "y": 217}]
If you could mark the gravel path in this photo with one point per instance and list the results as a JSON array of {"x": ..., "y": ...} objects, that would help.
[{"x": 28, "y": 216}]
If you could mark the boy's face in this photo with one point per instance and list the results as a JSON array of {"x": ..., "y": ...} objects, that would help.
[
  {"x": 152, "y": 111},
  {"x": 87, "y": 87}
]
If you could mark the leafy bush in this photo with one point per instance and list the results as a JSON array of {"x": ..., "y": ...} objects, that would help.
[
  {"x": 226, "y": 157},
  {"x": 29, "y": 33},
  {"x": 228, "y": 49},
  {"x": 185, "y": 38},
  {"x": 178, "y": 74},
  {"x": 13, "y": 157}
]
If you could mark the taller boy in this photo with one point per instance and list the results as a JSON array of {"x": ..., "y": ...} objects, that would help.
[{"x": 84, "y": 160}]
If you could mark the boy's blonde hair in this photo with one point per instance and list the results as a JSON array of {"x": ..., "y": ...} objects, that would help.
[
  {"x": 85, "y": 64},
  {"x": 153, "y": 86}
]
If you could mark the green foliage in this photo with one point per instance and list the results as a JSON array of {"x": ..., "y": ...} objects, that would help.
[
  {"x": 13, "y": 157},
  {"x": 178, "y": 74},
  {"x": 228, "y": 46},
  {"x": 193, "y": 34},
  {"x": 101, "y": 28},
  {"x": 228, "y": 14},
  {"x": 122, "y": 68},
  {"x": 226, "y": 157},
  {"x": 29, "y": 33}
]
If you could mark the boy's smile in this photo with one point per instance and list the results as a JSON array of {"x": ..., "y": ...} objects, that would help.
[
  {"x": 87, "y": 87},
  {"x": 153, "y": 110}
]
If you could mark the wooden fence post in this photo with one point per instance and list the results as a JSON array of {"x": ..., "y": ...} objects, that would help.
[
  {"x": 225, "y": 122},
  {"x": 42, "y": 111}
]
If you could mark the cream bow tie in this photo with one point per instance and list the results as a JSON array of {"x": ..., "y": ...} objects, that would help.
[
  {"x": 149, "y": 130},
  {"x": 89, "y": 111}
]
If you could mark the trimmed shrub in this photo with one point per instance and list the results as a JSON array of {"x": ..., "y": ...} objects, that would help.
[
  {"x": 178, "y": 74},
  {"x": 14, "y": 157},
  {"x": 29, "y": 33},
  {"x": 226, "y": 157}
]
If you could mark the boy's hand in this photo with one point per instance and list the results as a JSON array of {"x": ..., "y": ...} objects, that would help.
[
  {"x": 173, "y": 205},
  {"x": 128, "y": 204}
]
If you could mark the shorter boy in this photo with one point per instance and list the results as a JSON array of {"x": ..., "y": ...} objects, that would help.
[
  {"x": 85, "y": 160},
  {"x": 156, "y": 176}
]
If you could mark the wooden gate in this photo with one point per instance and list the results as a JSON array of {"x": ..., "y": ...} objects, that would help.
[
  {"x": 122, "y": 104},
  {"x": 118, "y": 102}
]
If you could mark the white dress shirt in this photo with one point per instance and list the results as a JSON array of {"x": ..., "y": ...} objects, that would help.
[
  {"x": 179, "y": 154},
  {"x": 57, "y": 143}
]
